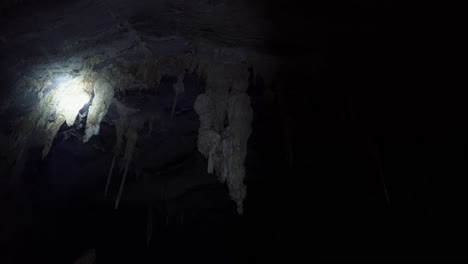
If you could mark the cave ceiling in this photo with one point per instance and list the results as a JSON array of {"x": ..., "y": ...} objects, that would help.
[{"x": 152, "y": 89}]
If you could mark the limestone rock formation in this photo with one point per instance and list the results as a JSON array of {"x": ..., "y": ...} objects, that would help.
[
  {"x": 225, "y": 123},
  {"x": 85, "y": 78}
]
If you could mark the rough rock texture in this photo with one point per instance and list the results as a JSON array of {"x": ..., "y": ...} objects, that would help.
[
  {"x": 56, "y": 106},
  {"x": 103, "y": 94}
]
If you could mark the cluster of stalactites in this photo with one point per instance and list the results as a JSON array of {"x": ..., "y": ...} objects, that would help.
[
  {"x": 127, "y": 126},
  {"x": 224, "y": 110},
  {"x": 225, "y": 124}
]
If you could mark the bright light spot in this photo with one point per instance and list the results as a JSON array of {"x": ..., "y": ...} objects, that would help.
[{"x": 70, "y": 98}]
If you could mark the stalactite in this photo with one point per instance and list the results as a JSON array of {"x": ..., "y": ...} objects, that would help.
[
  {"x": 132, "y": 138},
  {"x": 240, "y": 118},
  {"x": 225, "y": 144},
  {"x": 127, "y": 126},
  {"x": 178, "y": 89},
  {"x": 121, "y": 126}
]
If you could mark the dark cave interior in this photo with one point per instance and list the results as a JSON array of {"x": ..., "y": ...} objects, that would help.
[{"x": 332, "y": 129}]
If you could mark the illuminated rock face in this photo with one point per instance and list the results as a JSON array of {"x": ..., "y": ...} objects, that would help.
[
  {"x": 65, "y": 103},
  {"x": 71, "y": 96},
  {"x": 103, "y": 94},
  {"x": 61, "y": 105}
]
